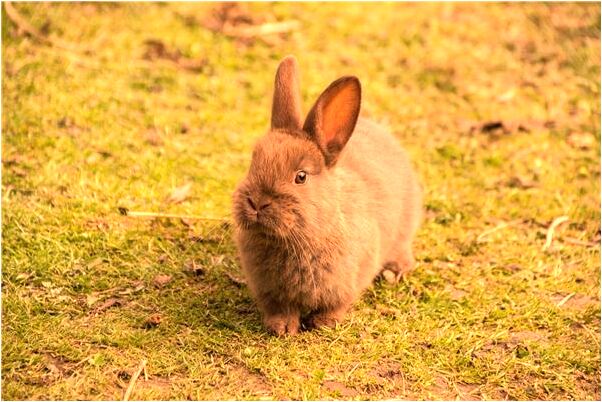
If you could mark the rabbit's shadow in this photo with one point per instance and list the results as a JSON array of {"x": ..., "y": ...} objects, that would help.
[
  {"x": 212, "y": 293},
  {"x": 221, "y": 302}
]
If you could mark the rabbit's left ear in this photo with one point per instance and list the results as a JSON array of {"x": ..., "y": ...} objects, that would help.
[
  {"x": 332, "y": 119},
  {"x": 286, "y": 106}
]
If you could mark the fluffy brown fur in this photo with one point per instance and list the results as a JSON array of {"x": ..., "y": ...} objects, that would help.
[{"x": 310, "y": 249}]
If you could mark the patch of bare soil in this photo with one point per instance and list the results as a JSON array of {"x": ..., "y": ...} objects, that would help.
[
  {"x": 576, "y": 302},
  {"x": 248, "y": 380},
  {"x": 389, "y": 373},
  {"x": 154, "y": 383},
  {"x": 454, "y": 293},
  {"x": 445, "y": 389},
  {"x": 340, "y": 388}
]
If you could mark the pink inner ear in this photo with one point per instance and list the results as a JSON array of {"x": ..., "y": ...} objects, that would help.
[{"x": 339, "y": 115}]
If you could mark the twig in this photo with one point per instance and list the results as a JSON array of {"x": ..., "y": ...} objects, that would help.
[
  {"x": 144, "y": 214},
  {"x": 128, "y": 391},
  {"x": 26, "y": 27},
  {"x": 550, "y": 236},
  {"x": 260, "y": 30},
  {"x": 237, "y": 281},
  {"x": 348, "y": 375},
  {"x": 89, "y": 62},
  {"x": 22, "y": 24},
  {"x": 498, "y": 227},
  {"x": 565, "y": 299},
  {"x": 578, "y": 242}
]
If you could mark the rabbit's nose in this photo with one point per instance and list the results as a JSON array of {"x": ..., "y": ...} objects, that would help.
[
  {"x": 251, "y": 204},
  {"x": 264, "y": 205},
  {"x": 258, "y": 205}
]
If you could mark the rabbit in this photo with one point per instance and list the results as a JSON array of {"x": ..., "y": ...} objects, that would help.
[{"x": 328, "y": 204}]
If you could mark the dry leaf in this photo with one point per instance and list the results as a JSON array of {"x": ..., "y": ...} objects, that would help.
[
  {"x": 229, "y": 14},
  {"x": 94, "y": 263},
  {"x": 194, "y": 269},
  {"x": 520, "y": 182},
  {"x": 107, "y": 304},
  {"x": 581, "y": 140},
  {"x": 153, "y": 321},
  {"x": 235, "y": 20},
  {"x": 217, "y": 260},
  {"x": 156, "y": 49},
  {"x": 161, "y": 280},
  {"x": 91, "y": 299},
  {"x": 23, "y": 276},
  {"x": 153, "y": 137},
  {"x": 179, "y": 194}
]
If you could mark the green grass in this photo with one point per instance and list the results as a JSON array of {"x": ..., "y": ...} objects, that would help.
[{"x": 87, "y": 131}]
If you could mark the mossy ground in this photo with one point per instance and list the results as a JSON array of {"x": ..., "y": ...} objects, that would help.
[{"x": 498, "y": 105}]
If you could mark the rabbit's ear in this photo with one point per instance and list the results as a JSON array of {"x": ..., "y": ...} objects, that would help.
[
  {"x": 286, "y": 107},
  {"x": 332, "y": 119}
]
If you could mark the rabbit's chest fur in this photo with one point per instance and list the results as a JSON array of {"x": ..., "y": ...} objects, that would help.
[{"x": 311, "y": 276}]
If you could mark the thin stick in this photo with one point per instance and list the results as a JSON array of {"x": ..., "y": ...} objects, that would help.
[
  {"x": 237, "y": 281},
  {"x": 260, "y": 30},
  {"x": 26, "y": 27},
  {"x": 21, "y": 23},
  {"x": 348, "y": 375},
  {"x": 550, "y": 236},
  {"x": 144, "y": 214},
  {"x": 578, "y": 242},
  {"x": 498, "y": 227},
  {"x": 128, "y": 392},
  {"x": 566, "y": 299}
]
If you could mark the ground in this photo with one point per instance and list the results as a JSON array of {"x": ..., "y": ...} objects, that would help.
[{"x": 155, "y": 108}]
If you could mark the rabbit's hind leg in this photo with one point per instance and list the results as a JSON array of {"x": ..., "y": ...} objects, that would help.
[{"x": 400, "y": 266}]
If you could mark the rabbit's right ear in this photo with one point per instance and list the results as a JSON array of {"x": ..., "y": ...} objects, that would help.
[
  {"x": 286, "y": 107},
  {"x": 332, "y": 119}
]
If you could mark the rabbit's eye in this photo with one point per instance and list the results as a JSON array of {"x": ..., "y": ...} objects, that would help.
[{"x": 301, "y": 177}]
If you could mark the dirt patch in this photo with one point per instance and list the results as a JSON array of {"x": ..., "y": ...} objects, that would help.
[
  {"x": 527, "y": 336},
  {"x": 590, "y": 388},
  {"x": 576, "y": 301},
  {"x": 390, "y": 373},
  {"x": 340, "y": 388},
  {"x": 154, "y": 383},
  {"x": 248, "y": 379},
  {"x": 389, "y": 370},
  {"x": 51, "y": 369},
  {"x": 454, "y": 293},
  {"x": 517, "y": 343},
  {"x": 445, "y": 389}
]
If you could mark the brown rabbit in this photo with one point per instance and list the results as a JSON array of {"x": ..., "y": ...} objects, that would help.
[{"x": 321, "y": 212}]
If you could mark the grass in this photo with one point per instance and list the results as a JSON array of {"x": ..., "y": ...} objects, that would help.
[{"x": 484, "y": 316}]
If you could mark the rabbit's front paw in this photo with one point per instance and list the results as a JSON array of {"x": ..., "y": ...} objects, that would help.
[
  {"x": 324, "y": 319},
  {"x": 281, "y": 324}
]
